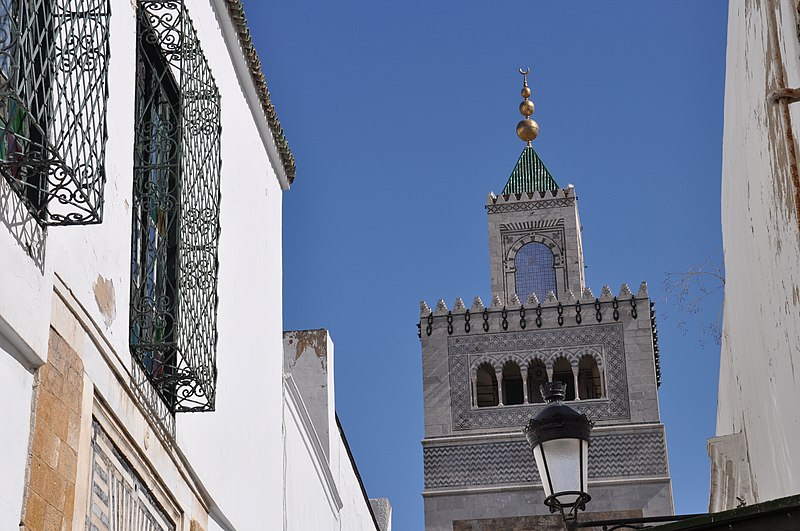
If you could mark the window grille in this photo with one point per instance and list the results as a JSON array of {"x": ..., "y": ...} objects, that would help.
[
  {"x": 118, "y": 499},
  {"x": 53, "y": 92},
  {"x": 176, "y": 197},
  {"x": 535, "y": 273}
]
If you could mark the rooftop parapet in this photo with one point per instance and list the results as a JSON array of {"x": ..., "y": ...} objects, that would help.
[
  {"x": 568, "y": 310},
  {"x": 561, "y": 193}
]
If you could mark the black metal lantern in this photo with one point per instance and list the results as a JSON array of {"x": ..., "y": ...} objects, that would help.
[{"x": 559, "y": 440}]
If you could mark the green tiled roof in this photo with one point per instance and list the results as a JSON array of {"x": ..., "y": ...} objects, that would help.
[{"x": 529, "y": 175}]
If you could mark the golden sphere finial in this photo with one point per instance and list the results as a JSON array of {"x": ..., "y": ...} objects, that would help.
[{"x": 527, "y": 129}]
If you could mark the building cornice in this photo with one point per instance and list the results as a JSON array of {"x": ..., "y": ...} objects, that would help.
[{"x": 247, "y": 64}]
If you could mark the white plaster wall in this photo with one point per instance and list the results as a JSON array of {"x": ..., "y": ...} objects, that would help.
[
  {"x": 236, "y": 449},
  {"x": 355, "y": 514},
  {"x": 760, "y": 359},
  {"x": 309, "y": 501},
  {"x": 307, "y": 498},
  {"x": 16, "y": 385}
]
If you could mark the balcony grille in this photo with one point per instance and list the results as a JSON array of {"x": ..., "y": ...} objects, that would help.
[
  {"x": 53, "y": 94},
  {"x": 176, "y": 198}
]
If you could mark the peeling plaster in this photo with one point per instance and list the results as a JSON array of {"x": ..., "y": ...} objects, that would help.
[
  {"x": 106, "y": 300},
  {"x": 311, "y": 339}
]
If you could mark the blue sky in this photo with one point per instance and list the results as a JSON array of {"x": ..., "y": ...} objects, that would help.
[{"x": 401, "y": 117}]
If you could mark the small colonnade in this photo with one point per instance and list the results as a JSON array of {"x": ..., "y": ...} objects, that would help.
[{"x": 514, "y": 380}]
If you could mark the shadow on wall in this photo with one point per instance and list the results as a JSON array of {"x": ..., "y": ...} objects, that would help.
[{"x": 21, "y": 224}]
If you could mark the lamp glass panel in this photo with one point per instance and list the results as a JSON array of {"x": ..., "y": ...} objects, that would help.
[
  {"x": 563, "y": 464},
  {"x": 585, "y": 467}
]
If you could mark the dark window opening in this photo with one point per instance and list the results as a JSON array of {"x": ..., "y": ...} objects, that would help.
[
  {"x": 513, "y": 393},
  {"x": 562, "y": 372},
  {"x": 589, "y": 383},
  {"x": 537, "y": 375},
  {"x": 26, "y": 37},
  {"x": 486, "y": 386}
]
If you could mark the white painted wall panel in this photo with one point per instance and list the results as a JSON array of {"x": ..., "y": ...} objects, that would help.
[
  {"x": 16, "y": 391},
  {"x": 760, "y": 367}
]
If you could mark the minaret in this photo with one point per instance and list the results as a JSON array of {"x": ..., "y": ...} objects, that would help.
[
  {"x": 483, "y": 365},
  {"x": 534, "y": 229}
]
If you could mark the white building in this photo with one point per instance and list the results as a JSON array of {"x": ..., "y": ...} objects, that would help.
[
  {"x": 754, "y": 456},
  {"x": 141, "y": 177}
]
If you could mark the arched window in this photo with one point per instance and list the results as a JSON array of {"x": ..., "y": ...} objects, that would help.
[
  {"x": 562, "y": 372},
  {"x": 589, "y": 385},
  {"x": 537, "y": 375},
  {"x": 486, "y": 384},
  {"x": 535, "y": 271},
  {"x": 512, "y": 385}
]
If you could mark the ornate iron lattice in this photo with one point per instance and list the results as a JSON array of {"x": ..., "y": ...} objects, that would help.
[
  {"x": 53, "y": 92},
  {"x": 176, "y": 198}
]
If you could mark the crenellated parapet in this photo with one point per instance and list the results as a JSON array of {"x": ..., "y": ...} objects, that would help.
[
  {"x": 530, "y": 200},
  {"x": 568, "y": 310}
]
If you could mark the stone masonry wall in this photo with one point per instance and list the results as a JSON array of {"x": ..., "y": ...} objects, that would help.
[{"x": 50, "y": 490}]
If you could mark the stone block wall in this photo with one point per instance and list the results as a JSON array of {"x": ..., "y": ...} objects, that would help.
[{"x": 50, "y": 492}]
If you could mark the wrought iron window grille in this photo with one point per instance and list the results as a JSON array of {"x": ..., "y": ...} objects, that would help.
[
  {"x": 176, "y": 194},
  {"x": 53, "y": 96}
]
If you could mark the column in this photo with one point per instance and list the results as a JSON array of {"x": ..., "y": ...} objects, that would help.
[
  {"x": 525, "y": 385},
  {"x": 574, "y": 367},
  {"x": 474, "y": 389},
  {"x": 499, "y": 376}
]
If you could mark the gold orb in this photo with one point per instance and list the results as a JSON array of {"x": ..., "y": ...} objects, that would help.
[
  {"x": 526, "y": 108},
  {"x": 526, "y": 92},
  {"x": 527, "y": 130}
]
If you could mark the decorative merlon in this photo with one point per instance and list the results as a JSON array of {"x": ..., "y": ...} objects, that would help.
[
  {"x": 424, "y": 309},
  {"x": 514, "y": 301},
  {"x": 459, "y": 305},
  {"x": 496, "y": 302},
  {"x": 642, "y": 294},
  {"x": 477, "y": 305},
  {"x": 441, "y": 307},
  {"x": 587, "y": 294},
  {"x": 570, "y": 297},
  {"x": 625, "y": 292},
  {"x": 533, "y": 300},
  {"x": 551, "y": 297},
  {"x": 606, "y": 293}
]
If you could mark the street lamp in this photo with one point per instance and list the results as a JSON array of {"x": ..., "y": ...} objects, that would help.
[{"x": 559, "y": 440}]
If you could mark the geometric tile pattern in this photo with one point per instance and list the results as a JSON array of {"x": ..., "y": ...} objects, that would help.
[
  {"x": 547, "y": 343},
  {"x": 618, "y": 455},
  {"x": 534, "y": 205}
]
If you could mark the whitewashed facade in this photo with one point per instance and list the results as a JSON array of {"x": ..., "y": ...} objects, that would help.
[
  {"x": 754, "y": 455},
  {"x": 86, "y": 442}
]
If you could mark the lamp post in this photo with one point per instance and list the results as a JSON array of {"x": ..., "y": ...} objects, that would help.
[{"x": 559, "y": 439}]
